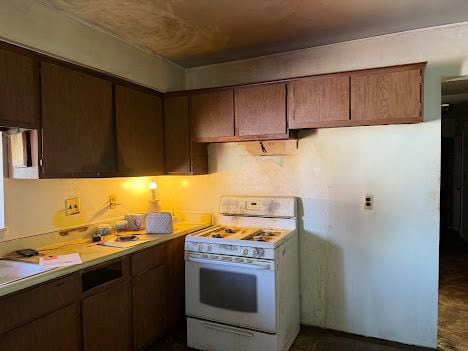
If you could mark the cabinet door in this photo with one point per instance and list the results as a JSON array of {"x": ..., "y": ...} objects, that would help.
[
  {"x": 106, "y": 318},
  {"x": 176, "y": 287},
  {"x": 261, "y": 110},
  {"x": 391, "y": 96},
  {"x": 19, "y": 90},
  {"x": 57, "y": 331},
  {"x": 318, "y": 102},
  {"x": 182, "y": 156},
  {"x": 149, "y": 306},
  {"x": 140, "y": 140},
  {"x": 212, "y": 115},
  {"x": 77, "y": 124}
]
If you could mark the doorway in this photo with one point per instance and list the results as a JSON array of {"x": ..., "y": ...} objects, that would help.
[{"x": 453, "y": 253}]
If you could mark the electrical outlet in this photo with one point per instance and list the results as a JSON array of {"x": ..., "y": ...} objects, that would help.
[
  {"x": 113, "y": 201},
  {"x": 72, "y": 206},
  {"x": 368, "y": 201}
]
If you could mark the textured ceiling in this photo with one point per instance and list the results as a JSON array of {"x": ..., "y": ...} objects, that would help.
[{"x": 200, "y": 32}]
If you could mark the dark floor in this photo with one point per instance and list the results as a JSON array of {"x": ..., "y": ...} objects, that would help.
[
  {"x": 309, "y": 339},
  {"x": 453, "y": 295}
]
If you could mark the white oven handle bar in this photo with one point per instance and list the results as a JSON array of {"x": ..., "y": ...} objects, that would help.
[
  {"x": 228, "y": 329},
  {"x": 258, "y": 266}
]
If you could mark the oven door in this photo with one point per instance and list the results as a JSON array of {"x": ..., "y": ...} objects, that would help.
[{"x": 231, "y": 290}]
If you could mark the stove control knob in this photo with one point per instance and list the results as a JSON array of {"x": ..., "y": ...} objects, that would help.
[
  {"x": 245, "y": 251},
  {"x": 254, "y": 252},
  {"x": 200, "y": 247},
  {"x": 209, "y": 248}
]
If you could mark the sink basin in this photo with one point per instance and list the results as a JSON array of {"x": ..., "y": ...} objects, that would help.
[{"x": 11, "y": 271}]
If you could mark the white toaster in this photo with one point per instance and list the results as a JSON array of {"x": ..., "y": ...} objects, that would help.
[{"x": 159, "y": 223}]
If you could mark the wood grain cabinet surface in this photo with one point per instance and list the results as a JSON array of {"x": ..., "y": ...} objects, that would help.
[
  {"x": 261, "y": 111},
  {"x": 392, "y": 96},
  {"x": 57, "y": 331},
  {"x": 19, "y": 89},
  {"x": 212, "y": 115},
  {"x": 149, "y": 306},
  {"x": 176, "y": 288},
  {"x": 106, "y": 318},
  {"x": 182, "y": 155},
  {"x": 78, "y": 131},
  {"x": 318, "y": 101},
  {"x": 140, "y": 132}
]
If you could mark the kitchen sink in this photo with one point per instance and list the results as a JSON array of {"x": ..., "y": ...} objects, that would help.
[{"x": 11, "y": 271}]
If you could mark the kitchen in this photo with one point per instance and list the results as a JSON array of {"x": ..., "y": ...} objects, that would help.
[{"x": 371, "y": 273}]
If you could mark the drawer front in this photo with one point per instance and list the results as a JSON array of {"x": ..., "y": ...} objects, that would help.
[
  {"x": 57, "y": 331},
  {"x": 149, "y": 258},
  {"x": 33, "y": 303}
]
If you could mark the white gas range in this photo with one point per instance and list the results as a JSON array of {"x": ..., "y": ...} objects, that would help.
[{"x": 242, "y": 277}]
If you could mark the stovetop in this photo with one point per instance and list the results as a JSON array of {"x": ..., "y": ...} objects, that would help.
[
  {"x": 220, "y": 233},
  {"x": 237, "y": 241}
]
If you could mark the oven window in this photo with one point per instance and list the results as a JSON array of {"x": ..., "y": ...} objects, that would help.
[{"x": 228, "y": 290}]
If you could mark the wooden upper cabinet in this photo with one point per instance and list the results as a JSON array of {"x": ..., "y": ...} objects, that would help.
[
  {"x": 212, "y": 115},
  {"x": 140, "y": 132},
  {"x": 19, "y": 90},
  {"x": 177, "y": 134},
  {"x": 392, "y": 95},
  {"x": 318, "y": 101},
  {"x": 261, "y": 110},
  {"x": 77, "y": 124},
  {"x": 182, "y": 155}
]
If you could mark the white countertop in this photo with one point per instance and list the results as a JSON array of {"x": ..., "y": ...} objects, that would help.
[{"x": 92, "y": 254}]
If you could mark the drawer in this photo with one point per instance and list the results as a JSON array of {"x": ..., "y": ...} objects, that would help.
[
  {"x": 26, "y": 305},
  {"x": 153, "y": 257},
  {"x": 205, "y": 335}
]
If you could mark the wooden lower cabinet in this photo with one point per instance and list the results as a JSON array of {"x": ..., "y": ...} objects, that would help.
[
  {"x": 176, "y": 286},
  {"x": 57, "y": 331},
  {"x": 149, "y": 306},
  {"x": 106, "y": 318},
  {"x": 158, "y": 291}
]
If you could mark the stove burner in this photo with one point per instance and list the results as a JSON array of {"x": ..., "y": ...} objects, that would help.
[
  {"x": 268, "y": 233},
  {"x": 228, "y": 230},
  {"x": 258, "y": 238},
  {"x": 217, "y": 235}
]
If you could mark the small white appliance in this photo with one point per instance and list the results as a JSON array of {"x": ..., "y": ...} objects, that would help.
[{"x": 242, "y": 277}]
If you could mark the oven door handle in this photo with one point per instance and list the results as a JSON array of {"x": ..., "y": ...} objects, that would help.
[
  {"x": 227, "y": 329},
  {"x": 264, "y": 266}
]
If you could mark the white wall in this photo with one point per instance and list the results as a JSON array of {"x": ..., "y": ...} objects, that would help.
[
  {"x": 371, "y": 273},
  {"x": 33, "y": 25}
]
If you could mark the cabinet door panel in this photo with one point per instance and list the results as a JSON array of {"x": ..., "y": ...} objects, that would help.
[
  {"x": 57, "y": 331},
  {"x": 140, "y": 140},
  {"x": 317, "y": 100},
  {"x": 149, "y": 306},
  {"x": 212, "y": 114},
  {"x": 19, "y": 90},
  {"x": 176, "y": 290},
  {"x": 177, "y": 134},
  {"x": 261, "y": 110},
  {"x": 106, "y": 318},
  {"x": 386, "y": 95},
  {"x": 77, "y": 121}
]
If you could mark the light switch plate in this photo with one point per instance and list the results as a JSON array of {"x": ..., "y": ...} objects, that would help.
[{"x": 72, "y": 206}]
